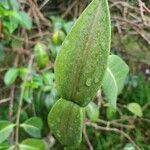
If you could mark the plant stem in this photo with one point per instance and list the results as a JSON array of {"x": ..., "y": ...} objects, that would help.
[{"x": 21, "y": 101}]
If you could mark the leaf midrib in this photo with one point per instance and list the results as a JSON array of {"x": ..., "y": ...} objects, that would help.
[{"x": 30, "y": 126}]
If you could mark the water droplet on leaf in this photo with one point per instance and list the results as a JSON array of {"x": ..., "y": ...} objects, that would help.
[{"x": 89, "y": 82}]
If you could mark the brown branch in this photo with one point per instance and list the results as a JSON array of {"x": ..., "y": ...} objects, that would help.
[
  {"x": 5, "y": 100},
  {"x": 120, "y": 125},
  {"x": 21, "y": 99},
  {"x": 94, "y": 125},
  {"x": 87, "y": 138},
  {"x": 39, "y": 14}
]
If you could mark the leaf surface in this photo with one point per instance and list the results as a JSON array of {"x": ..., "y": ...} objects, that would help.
[
  {"x": 82, "y": 61},
  {"x": 33, "y": 126},
  {"x": 5, "y": 130},
  {"x": 114, "y": 78}
]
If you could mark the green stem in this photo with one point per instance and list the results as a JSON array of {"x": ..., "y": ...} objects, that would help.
[
  {"x": 18, "y": 113},
  {"x": 21, "y": 102}
]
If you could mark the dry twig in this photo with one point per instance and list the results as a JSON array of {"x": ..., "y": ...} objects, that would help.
[{"x": 94, "y": 125}]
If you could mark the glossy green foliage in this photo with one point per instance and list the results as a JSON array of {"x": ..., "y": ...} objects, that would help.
[
  {"x": 41, "y": 55},
  {"x": 65, "y": 120},
  {"x": 82, "y": 61}
]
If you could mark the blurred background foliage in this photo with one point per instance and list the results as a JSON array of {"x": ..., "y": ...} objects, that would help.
[{"x": 38, "y": 28}]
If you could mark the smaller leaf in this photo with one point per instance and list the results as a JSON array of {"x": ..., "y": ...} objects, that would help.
[
  {"x": 5, "y": 130},
  {"x": 23, "y": 71},
  {"x": 129, "y": 146},
  {"x": 41, "y": 55},
  {"x": 33, "y": 144},
  {"x": 10, "y": 24},
  {"x": 58, "y": 37},
  {"x": 92, "y": 111},
  {"x": 24, "y": 19},
  {"x": 10, "y": 76},
  {"x": 114, "y": 78},
  {"x": 48, "y": 78},
  {"x": 33, "y": 126},
  {"x": 15, "y": 5},
  {"x": 51, "y": 98},
  {"x": 135, "y": 108},
  {"x": 68, "y": 26}
]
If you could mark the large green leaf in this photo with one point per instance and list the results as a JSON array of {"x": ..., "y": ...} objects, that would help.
[
  {"x": 81, "y": 63},
  {"x": 114, "y": 78},
  {"x": 5, "y": 129},
  {"x": 10, "y": 76},
  {"x": 33, "y": 126},
  {"x": 135, "y": 108}
]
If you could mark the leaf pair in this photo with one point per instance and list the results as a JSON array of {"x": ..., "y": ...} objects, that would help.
[
  {"x": 79, "y": 70},
  {"x": 32, "y": 126}
]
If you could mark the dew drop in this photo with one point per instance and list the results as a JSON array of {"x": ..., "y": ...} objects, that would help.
[{"x": 89, "y": 82}]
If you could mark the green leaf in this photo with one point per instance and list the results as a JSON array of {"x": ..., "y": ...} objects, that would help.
[
  {"x": 33, "y": 126},
  {"x": 4, "y": 3},
  {"x": 92, "y": 111},
  {"x": 129, "y": 146},
  {"x": 81, "y": 63},
  {"x": 114, "y": 78},
  {"x": 24, "y": 19},
  {"x": 58, "y": 22},
  {"x": 27, "y": 94},
  {"x": 10, "y": 76},
  {"x": 4, "y": 146},
  {"x": 111, "y": 112},
  {"x": 41, "y": 55},
  {"x": 10, "y": 24},
  {"x": 23, "y": 71},
  {"x": 68, "y": 26},
  {"x": 33, "y": 144},
  {"x": 51, "y": 98},
  {"x": 15, "y": 5},
  {"x": 135, "y": 108},
  {"x": 5, "y": 130},
  {"x": 5, "y": 12}
]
